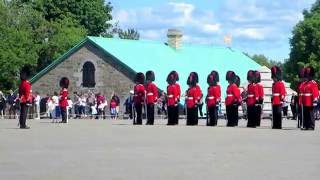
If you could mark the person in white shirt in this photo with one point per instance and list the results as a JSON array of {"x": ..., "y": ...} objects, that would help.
[
  {"x": 55, "y": 100},
  {"x": 37, "y": 99}
]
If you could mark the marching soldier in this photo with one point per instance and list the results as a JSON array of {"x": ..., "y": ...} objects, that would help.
[
  {"x": 261, "y": 97},
  {"x": 213, "y": 98},
  {"x": 251, "y": 100},
  {"x": 192, "y": 99},
  {"x": 278, "y": 95},
  {"x": 300, "y": 95},
  {"x": 25, "y": 97},
  {"x": 63, "y": 99},
  {"x": 172, "y": 98},
  {"x": 152, "y": 96},
  {"x": 309, "y": 99},
  {"x": 139, "y": 97},
  {"x": 232, "y": 99},
  {"x": 178, "y": 95}
]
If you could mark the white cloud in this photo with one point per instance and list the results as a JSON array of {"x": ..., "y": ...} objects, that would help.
[
  {"x": 211, "y": 28},
  {"x": 251, "y": 33}
]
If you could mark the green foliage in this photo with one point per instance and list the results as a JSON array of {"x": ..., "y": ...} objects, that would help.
[
  {"x": 129, "y": 34},
  {"x": 305, "y": 44},
  {"x": 263, "y": 60}
]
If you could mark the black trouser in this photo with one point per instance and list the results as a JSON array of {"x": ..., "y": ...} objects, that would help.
[
  {"x": 276, "y": 117},
  {"x": 232, "y": 115},
  {"x": 150, "y": 114},
  {"x": 23, "y": 114},
  {"x": 213, "y": 116},
  {"x": 252, "y": 116},
  {"x": 176, "y": 120},
  {"x": 63, "y": 114},
  {"x": 130, "y": 111},
  {"x": 258, "y": 113},
  {"x": 294, "y": 111},
  {"x": 200, "y": 109},
  {"x": 308, "y": 117},
  {"x": 138, "y": 108},
  {"x": 172, "y": 115},
  {"x": 12, "y": 111},
  {"x": 192, "y": 116},
  {"x": 299, "y": 116}
]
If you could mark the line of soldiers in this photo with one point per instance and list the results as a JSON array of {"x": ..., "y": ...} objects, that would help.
[{"x": 146, "y": 95}]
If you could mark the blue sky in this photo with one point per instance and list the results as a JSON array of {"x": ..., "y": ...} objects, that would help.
[{"x": 256, "y": 26}]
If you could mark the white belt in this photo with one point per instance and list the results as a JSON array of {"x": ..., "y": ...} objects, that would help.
[
  {"x": 190, "y": 98},
  {"x": 229, "y": 95},
  {"x": 301, "y": 94},
  {"x": 150, "y": 94},
  {"x": 307, "y": 94},
  {"x": 210, "y": 97},
  {"x": 170, "y": 96},
  {"x": 250, "y": 95},
  {"x": 276, "y": 94}
]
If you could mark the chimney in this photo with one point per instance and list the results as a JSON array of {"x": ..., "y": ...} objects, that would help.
[{"x": 174, "y": 38}]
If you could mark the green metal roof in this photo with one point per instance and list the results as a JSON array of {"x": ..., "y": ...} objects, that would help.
[
  {"x": 141, "y": 56},
  {"x": 149, "y": 55}
]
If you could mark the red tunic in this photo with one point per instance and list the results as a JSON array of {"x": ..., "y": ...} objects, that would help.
[
  {"x": 261, "y": 91},
  {"x": 24, "y": 92},
  {"x": 233, "y": 95},
  {"x": 192, "y": 97},
  {"x": 63, "y": 100},
  {"x": 172, "y": 94},
  {"x": 152, "y": 93},
  {"x": 214, "y": 95},
  {"x": 253, "y": 94},
  {"x": 178, "y": 91},
  {"x": 300, "y": 92},
  {"x": 278, "y": 92},
  {"x": 139, "y": 94},
  {"x": 310, "y": 93}
]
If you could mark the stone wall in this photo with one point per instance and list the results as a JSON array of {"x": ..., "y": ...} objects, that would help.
[{"x": 109, "y": 76}]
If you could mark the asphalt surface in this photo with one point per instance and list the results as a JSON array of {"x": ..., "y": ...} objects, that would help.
[{"x": 105, "y": 149}]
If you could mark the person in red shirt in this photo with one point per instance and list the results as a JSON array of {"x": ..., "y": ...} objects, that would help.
[
  {"x": 113, "y": 108},
  {"x": 193, "y": 96},
  {"x": 233, "y": 99},
  {"x": 259, "y": 104},
  {"x": 152, "y": 96},
  {"x": 63, "y": 98},
  {"x": 24, "y": 97},
  {"x": 213, "y": 98},
  {"x": 309, "y": 99},
  {"x": 278, "y": 96},
  {"x": 173, "y": 92},
  {"x": 252, "y": 99},
  {"x": 139, "y": 97},
  {"x": 178, "y": 95},
  {"x": 300, "y": 95}
]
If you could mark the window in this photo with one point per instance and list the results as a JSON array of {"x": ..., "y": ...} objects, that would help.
[{"x": 88, "y": 75}]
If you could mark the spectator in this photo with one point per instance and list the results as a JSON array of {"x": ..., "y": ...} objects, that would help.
[
  {"x": 113, "y": 106},
  {"x": 11, "y": 102},
  {"x": 69, "y": 108},
  {"x": 76, "y": 102},
  {"x": 91, "y": 101},
  {"x": 83, "y": 104},
  {"x": 128, "y": 104},
  {"x": 37, "y": 99},
  {"x": 55, "y": 101},
  {"x": 285, "y": 107},
  {"x": 117, "y": 99},
  {"x": 294, "y": 106},
  {"x": 164, "y": 102},
  {"x": 17, "y": 106},
  {"x": 100, "y": 105},
  {"x": 244, "y": 95},
  {"x": 200, "y": 105},
  {"x": 43, "y": 105},
  {"x": 2, "y": 105}
]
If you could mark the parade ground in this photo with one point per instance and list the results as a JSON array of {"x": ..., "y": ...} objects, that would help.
[{"x": 105, "y": 149}]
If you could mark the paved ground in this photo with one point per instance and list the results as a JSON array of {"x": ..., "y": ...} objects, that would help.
[{"x": 89, "y": 149}]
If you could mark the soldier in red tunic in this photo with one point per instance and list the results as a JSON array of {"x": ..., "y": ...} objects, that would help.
[
  {"x": 152, "y": 96},
  {"x": 261, "y": 97},
  {"x": 178, "y": 95},
  {"x": 309, "y": 99},
  {"x": 233, "y": 99},
  {"x": 63, "y": 98},
  {"x": 278, "y": 96},
  {"x": 193, "y": 96},
  {"x": 24, "y": 97},
  {"x": 139, "y": 97},
  {"x": 252, "y": 99},
  {"x": 300, "y": 95},
  {"x": 213, "y": 98},
  {"x": 173, "y": 95}
]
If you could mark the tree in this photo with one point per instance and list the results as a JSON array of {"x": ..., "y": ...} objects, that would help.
[
  {"x": 263, "y": 60},
  {"x": 129, "y": 34},
  {"x": 305, "y": 44}
]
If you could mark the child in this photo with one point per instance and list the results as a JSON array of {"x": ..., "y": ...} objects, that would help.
[{"x": 113, "y": 108}]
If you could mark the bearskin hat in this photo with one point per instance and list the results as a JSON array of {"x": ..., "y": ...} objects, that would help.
[
  {"x": 176, "y": 75},
  {"x": 257, "y": 76},
  {"x": 301, "y": 73},
  {"x": 309, "y": 72},
  {"x": 192, "y": 79},
  {"x": 171, "y": 79},
  {"x": 251, "y": 76},
  {"x": 216, "y": 75},
  {"x": 230, "y": 76},
  {"x": 213, "y": 78},
  {"x": 139, "y": 78},
  {"x": 237, "y": 80},
  {"x": 276, "y": 73},
  {"x": 64, "y": 82},
  {"x": 150, "y": 76},
  {"x": 25, "y": 73}
]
